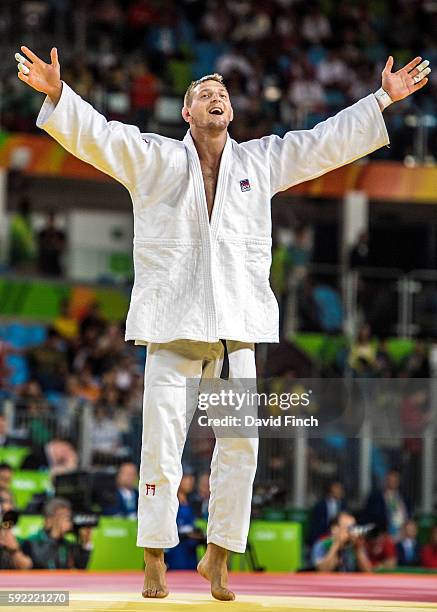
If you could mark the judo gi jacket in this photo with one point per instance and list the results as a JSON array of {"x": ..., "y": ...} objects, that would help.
[{"x": 195, "y": 278}]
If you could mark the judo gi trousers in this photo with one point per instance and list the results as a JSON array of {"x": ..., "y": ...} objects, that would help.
[{"x": 166, "y": 418}]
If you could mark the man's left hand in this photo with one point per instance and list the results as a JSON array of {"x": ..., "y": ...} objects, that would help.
[
  {"x": 405, "y": 81},
  {"x": 8, "y": 540}
]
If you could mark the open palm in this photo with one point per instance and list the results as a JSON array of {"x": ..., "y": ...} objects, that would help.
[
  {"x": 401, "y": 84},
  {"x": 42, "y": 77}
]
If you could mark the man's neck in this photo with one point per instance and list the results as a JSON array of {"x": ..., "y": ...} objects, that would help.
[{"x": 209, "y": 146}]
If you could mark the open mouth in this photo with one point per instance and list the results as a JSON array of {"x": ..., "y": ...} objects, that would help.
[{"x": 216, "y": 111}]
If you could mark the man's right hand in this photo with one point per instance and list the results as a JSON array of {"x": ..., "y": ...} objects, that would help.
[
  {"x": 342, "y": 537},
  {"x": 7, "y": 539},
  {"x": 43, "y": 77}
]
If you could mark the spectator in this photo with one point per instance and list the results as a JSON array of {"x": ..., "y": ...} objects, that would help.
[
  {"x": 306, "y": 94},
  {"x": 6, "y": 501},
  {"x": 234, "y": 60},
  {"x": 362, "y": 355},
  {"x": 48, "y": 364},
  {"x": 384, "y": 363},
  {"x": 11, "y": 554},
  {"x": 381, "y": 550},
  {"x": 416, "y": 364},
  {"x": 309, "y": 314},
  {"x": 408, "y": 548},
  {"x": 315, "y": 26},
  {"x": 49, "y": 548},
  {"x": 144, "y": 92},
  {"x": 329, "y": 306},
  {"x": 387, "y": 508},
  {"x": 326, "y": 510},
  {"x": 84, "y": 385},
  {"x": 34, "y": 408},
  {"x": 65, "y": 325},
  {"x": 93, "y": 319},
  {"x": 332, "y": 71},
  {"x": 429, "y": 551},
  {"x": 342, "y": 551},
  {"x": 266, "y": 40},
  {"x": 58, "y": 455},
  {"x": 6, "y": 474},
  {"x": 106, "y": 442},
  {"x": 300, "y": 249},
  {"x": 126, "y": 502},
  {"x": 183, "y": 556},
  {"x": 51, "y": 247}
]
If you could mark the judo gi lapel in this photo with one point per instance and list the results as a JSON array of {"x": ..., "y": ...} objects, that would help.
[{"x": 222, "y": 182}]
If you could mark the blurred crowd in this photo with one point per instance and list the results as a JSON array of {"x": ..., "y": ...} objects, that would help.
[
  {"x": 287, "y": 63},
  {"x": 384, "y": 537},
  {"x": 65, "y": 539},
  {"x": 81, "y": 367},
  {"x": 76, "y": 363}
]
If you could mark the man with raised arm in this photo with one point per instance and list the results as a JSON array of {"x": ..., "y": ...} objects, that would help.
[{"x": 202, "y": 252}]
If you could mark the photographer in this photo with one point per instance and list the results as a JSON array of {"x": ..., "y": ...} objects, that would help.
[
  {"x": 343, "y": 550},
  {"x": 11, "y": 555},
  {"x": 49, "y": 549}
]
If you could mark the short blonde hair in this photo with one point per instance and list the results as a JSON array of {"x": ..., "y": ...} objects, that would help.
[{"x": 188, "y": 98}]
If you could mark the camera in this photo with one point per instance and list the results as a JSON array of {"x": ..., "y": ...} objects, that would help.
[
  {"x": 84, "y": 520},
  {"x": 361, "y": 530}
]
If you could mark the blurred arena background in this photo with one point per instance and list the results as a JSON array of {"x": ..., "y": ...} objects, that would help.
[{"x": 354, "y": 269}]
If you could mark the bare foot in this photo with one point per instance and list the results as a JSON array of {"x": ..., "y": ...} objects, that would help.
[
  {"x": 213, "y": 567},
  {"x": 155, "y": 584}
]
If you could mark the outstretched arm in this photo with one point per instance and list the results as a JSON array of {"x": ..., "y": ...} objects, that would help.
[
  {"x": 113, "y": 147},
  {"x": 352, "y": 133}
]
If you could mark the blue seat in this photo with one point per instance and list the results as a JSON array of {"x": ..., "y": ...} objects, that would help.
[
  {"x": 19, "y": 369},
  {"x": 36, "y": 334}
]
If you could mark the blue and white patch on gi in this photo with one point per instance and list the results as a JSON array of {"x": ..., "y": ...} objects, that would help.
[{"x": 245, "y": 185}]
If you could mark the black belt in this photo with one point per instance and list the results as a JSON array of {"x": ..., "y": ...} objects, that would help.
[{"x": 224, "y": 374}]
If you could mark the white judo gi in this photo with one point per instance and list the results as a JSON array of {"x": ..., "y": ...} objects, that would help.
[{"x": 199, "y": 280}]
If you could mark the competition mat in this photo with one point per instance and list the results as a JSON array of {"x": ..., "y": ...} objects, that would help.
[{"x": 256, "y": 592}]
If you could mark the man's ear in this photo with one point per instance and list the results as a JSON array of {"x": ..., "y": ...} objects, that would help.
[
  {"x": 232, "y": 113},
  {"x": 185, "y": 113}
]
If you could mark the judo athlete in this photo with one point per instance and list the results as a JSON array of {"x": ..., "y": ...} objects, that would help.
[{"x": 202, "y": 253}]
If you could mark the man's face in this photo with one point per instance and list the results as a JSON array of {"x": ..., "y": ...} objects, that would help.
[
  {"x": 5, "y": 478},
  {"x": 345, "y": 522},
  {"x": 210, "y": 107},
  {"x": 127, "y": 476},
  {"x": 6, "y": 501},
  {"x": 61, "y": 520},
  {"x": 337, "y": 491},
  {"x": 187, "y": 483},
  {"x": 410, "y": 530},
  {"x": 392, "y": 481}
]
